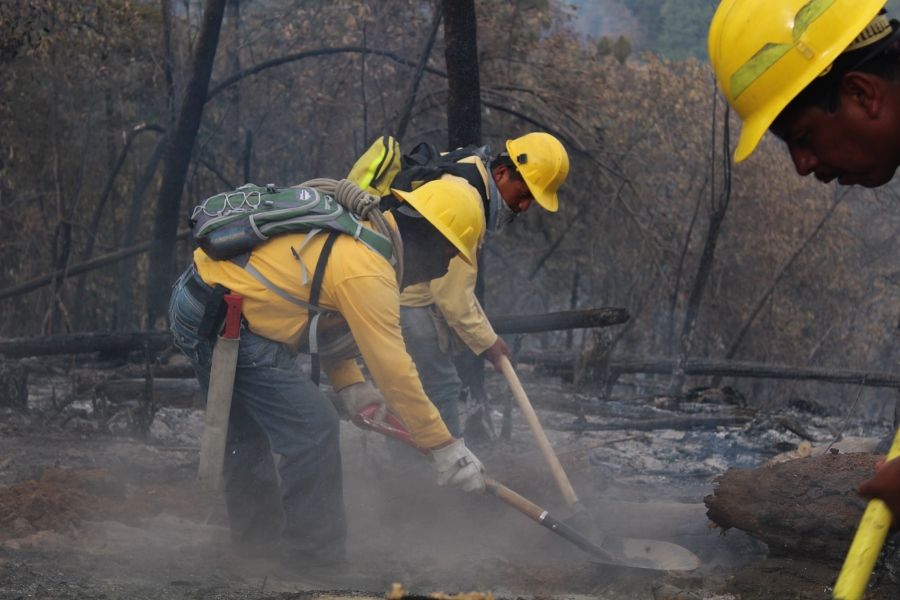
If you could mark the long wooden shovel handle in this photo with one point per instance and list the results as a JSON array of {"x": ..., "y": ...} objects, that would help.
[{"x": 559, "y": 474}]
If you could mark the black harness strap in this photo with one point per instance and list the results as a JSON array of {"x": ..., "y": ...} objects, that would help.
[
  {"x": 315, "y": 291},
  {"x": 213, "y": 313}
]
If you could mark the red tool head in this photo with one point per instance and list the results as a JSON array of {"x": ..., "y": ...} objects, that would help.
[{"x": 374, "y": 418}]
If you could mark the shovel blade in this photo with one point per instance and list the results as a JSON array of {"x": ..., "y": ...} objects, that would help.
[{"x": 648, "y": 554}]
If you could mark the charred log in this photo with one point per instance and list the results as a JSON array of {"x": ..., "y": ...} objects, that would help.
[
  {"x": 559, "y": 321},
  {"x": 76, "y": 343},
  {"x": 806, "y": 508},
  {"x": 564, "y": 362},
  {"x": 177, "y": 393},
  {"x": 124, "y": 341}
]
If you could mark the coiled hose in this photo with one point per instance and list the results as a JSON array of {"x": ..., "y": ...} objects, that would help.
[{"x": 361, "y": 205}]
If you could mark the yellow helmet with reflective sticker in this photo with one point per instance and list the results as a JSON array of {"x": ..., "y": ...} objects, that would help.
[
  {"x": 765, "y": 52},
  {"x": 543, "y": 163},
  {"x": 454, "y": 208}
]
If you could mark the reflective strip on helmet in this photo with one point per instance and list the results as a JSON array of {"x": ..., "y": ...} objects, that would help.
[{"x": 772, "y": 52}]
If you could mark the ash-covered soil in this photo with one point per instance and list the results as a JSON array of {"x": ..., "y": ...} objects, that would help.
[{"x": 86, "y": 513}]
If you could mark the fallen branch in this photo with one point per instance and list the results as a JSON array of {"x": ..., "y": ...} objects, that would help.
[
  {"x": 96, "y": 263},
  {"x": 76, "y": 343},
  {"x": 564, "y": 361},
  {"x": 178, "y": 393},
  {"x": 559, "y": 321}
]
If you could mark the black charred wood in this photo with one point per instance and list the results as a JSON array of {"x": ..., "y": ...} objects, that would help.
[
  {"x": 79, "y": 343},
  {"x": 559, "y": 321},
  {"x": 564, "y": 361}
]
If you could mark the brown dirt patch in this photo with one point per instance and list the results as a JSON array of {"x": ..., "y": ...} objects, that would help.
[{"x": 63, "y": 498}]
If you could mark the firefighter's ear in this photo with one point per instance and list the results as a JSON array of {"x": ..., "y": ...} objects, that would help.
[{"x": 499, "y": 172}]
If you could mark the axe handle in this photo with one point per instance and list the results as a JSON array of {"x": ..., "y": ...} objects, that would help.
[
  {"x": 218, "y": 398},
  {"x": 559, "y": 474}
]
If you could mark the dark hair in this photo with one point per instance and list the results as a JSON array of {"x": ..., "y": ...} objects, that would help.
[
  {"x": 881, "y": 58},
  {"x": 504, "y": 160}
]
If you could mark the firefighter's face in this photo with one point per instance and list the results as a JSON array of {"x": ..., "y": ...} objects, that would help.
[{"x": 513, "y": 189}]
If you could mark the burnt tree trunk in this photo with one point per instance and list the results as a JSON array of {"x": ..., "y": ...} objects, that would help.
[
  {"x": 162, "y": 253},
  {"x": 463, "y": 83},
  {"x": 406, "y": 113},
  {"x": 234, "y": 66},
  {"x": 718, "y": 209},
  {"x": 464, "y": 128},
  {"x": 96, "y": 218},
  {"x": 128, "y": 267},
  {"x": 806, "y": 508},
  {"x": 94, "y": 263},
  {"x": 13, "y": 385}
]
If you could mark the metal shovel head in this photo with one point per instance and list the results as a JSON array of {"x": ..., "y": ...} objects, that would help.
[{"x": 647, "y": 554}]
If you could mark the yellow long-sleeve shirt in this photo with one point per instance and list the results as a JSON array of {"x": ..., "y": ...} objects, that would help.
[
  {"x": 362, "y": 287},
  {"x": 454, "y": 295}
]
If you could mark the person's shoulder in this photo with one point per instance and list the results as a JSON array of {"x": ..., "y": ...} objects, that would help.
[{"x": 350, "y": 258}]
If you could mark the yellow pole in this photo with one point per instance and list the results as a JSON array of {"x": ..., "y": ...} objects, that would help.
[{"x": 870, "y": 535}]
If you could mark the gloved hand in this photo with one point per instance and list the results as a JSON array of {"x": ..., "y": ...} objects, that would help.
[
  {"x": 498, "y": 349},
  {"x": 356, "y": 396},
  {"x": 457, "y": 466}
]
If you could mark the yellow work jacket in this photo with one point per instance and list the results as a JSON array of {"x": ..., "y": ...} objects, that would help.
[
  {"x": 359, "y": 284},
  {"x": 454, "y": 294}
]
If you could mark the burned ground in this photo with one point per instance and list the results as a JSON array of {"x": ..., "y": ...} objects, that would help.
[{"x": 105, "y": 514}]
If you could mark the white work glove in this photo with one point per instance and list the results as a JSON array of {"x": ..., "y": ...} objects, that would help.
[
  {"x": 355, "y": 397},
  {"x": 457, "y": 466}
]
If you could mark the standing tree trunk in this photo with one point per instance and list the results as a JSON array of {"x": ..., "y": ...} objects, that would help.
[
  {"x": 464, "y": 128},
  {"x": 128, "y": 267},
  {"x": 168, "y": 208},
  {"x": 463, "y": 84},
  {"x": 406, "y": 113},
  {"x": 718, "y": 209},
  {"x": 234, "y": 66}
]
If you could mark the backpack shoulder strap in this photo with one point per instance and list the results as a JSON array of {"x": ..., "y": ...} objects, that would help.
[
  {"x": 471, "y": 174},
  {"x": 314, "y": 294}
]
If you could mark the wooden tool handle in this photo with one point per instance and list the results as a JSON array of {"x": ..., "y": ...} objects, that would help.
[
  {"x": 559, "y": 474},
  {"x": 520, "y": 503},
  {"x": 866, "y": 546}
]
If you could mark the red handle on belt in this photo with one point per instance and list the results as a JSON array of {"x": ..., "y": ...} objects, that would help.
[{"x": 233, "y": 316}]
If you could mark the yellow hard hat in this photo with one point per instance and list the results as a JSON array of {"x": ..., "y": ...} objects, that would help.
[
  {"x": 454, "y": 208},
  {"x": 543, "y": 163},
  {"x": 765, "y": 52}
]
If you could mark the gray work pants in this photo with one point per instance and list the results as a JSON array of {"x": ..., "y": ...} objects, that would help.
[
  {"x": 292, "y": 507},
  {"x": 435, "y": 367}
]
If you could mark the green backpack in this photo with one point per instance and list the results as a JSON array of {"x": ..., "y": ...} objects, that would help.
[{"x": 229, "y": 225}]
